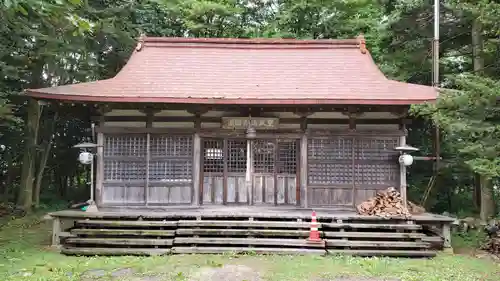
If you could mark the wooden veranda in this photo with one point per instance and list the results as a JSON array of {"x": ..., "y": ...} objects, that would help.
[{"x": 245, "y": 230}]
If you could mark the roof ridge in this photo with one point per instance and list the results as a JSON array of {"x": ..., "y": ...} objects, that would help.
[
  {"x": 274, "y": 41},
  {"x": 358, "y": 42}
]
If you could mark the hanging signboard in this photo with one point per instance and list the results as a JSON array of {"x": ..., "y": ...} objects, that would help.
[{"x": 255, "y": 122}]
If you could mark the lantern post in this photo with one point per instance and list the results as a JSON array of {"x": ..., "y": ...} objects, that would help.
[{"x": 86, "y": 157}]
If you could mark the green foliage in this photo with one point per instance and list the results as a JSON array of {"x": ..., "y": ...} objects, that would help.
[
  {"x": 470, "y": 116},
  {"x": 471, "y": 240}
]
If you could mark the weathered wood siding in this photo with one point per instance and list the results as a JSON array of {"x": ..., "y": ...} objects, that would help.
[
  {"x": 273, "y": 172},
  {"x": 147, "y": 169},
  {"x": 346, "y": 170},
  {"x": 312, "y": 159},
  {"x": 124, "y": 169}
]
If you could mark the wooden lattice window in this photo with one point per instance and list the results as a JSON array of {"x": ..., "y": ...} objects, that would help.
[
  {"x": 213, "y": 156},
  {"x": 330, "y": 161},
  {"x": 264, "y": 152},
  {"x": 237, "y": 156},
  {"x": 287, "y": 156},
  {"x": 219, "y": 153},
  {"x": 376, "y": 161},
  {"x": 125, "y": 157},
  {"x": 171, "y": 159}
]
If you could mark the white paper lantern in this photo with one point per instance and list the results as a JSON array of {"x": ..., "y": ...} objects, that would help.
[
  {"x": 85, "y": 158},
  {"x": 406, "y": 159}
]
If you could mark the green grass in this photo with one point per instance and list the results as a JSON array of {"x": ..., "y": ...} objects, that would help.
[
  {"x": 472, "y": 240},
  {"x": 24, "y": 255}
]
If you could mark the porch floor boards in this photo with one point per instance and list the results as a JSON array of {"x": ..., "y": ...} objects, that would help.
[
  {"x": 240, "y": 230},
  {"x": 234, "y": 212}
]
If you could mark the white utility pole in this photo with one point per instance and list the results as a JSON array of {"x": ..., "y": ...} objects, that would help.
[
  {"x": 435, "y": 46},
  {"x": 435, "y": 78}
]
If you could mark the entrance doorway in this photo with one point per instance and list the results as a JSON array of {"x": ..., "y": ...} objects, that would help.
[{"x": 267, "y": 175}]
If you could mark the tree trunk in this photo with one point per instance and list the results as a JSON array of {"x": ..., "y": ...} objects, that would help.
[
  {"x": 46, "y": 148},
  {"x": 477, "y": 65},
  {"x": 477, "y": 46},
  {"x": 476, "y": 192},
  {"x": 485, "y": 187},
  {"x": 28, "y": 168},
  {"x": 487, "y": 202}
]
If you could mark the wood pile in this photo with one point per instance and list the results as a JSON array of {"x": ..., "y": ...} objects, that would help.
[
  {"x": 492, "y": 245},
  {"x": 387, "y": 203}
]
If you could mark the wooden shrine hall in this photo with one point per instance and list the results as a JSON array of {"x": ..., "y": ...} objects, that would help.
[{"x": 210, "y": 142}]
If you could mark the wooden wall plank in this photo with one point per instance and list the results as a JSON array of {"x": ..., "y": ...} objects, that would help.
[
  {"x": 269, "y": 188},
  {"x": 281, "y": 185},
  {"x": 159, "y": 194},
  {"x": 218, "y": 188},
  {"x": 329, "y": 197},
  {"x": 291, "y": 185},
  {"x": 208, "y": 185},
  {"x": 364, "y": 194},
  {"x": 242, "y": 190},
  {"x": 258, "y": 190},
  {"x": 175, "y": 195},
  {"x": 113, "y": 194},
  {"x": 231, "y": 189}
]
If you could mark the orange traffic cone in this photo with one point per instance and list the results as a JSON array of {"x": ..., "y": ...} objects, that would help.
[{"x": 314, "y": 233}]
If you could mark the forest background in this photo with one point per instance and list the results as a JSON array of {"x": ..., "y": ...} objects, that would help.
[{"x": 54, "y": 42}]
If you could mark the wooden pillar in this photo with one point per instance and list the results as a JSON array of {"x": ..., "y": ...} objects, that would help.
[
  {"x": 402, "y": 169},
  {"x": 196, "y": 169},
  {"x": 99, "y": 170},
  {"x": 56, "y": 232},
  {"x": 196, "y": 196},
  {"x": 446, "y": 232},
  {"x": 248, "y": 174},
  {"x": 303, "y": 164},
  {"x": 102, "y": 109}
]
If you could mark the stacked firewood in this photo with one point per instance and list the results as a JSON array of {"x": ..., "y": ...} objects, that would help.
[
  {"x": 492, "y": 244},
  {"x": 387, "y": 203}
]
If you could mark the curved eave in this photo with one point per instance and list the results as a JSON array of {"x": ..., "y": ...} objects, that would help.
[{"x": 121, "y": 99}]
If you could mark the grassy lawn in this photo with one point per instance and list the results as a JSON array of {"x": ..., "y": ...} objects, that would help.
[{"x": 24, "y": 255}]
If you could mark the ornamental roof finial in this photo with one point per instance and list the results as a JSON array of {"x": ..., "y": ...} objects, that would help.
[
  {"x": 362, "y": 43},
  {"x": 140, "y": 42}
]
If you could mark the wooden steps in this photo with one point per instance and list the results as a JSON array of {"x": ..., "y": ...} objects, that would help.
[
  {"x": 247, "y": 241},
  {"x": 371, "y": 239},
  {"x": 259, "y": 236},
  {"x": 120, "y": 241},
  {"x": 375, "y": 244},
  {"x": 386, "y": 235},
  {"x": 94, "y": 251},
  {"x": 242, "y": 232},
  {"x": 384, "y": 253},
  {"x": 244, "y": 224},
  {"x": 126, "y": 223},
  {"x": 246, "y": 250},
  {"x": 347, "y": 226},
  {"x": 213, "y": 235},
  {"x": 123, "y": 232}
]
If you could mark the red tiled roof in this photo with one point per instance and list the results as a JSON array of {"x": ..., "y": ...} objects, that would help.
[{"x": 246, "y": 71}]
